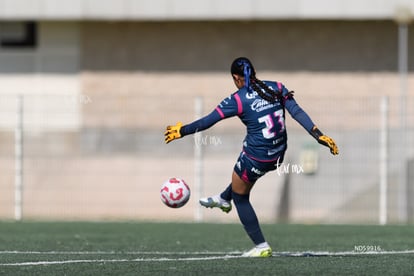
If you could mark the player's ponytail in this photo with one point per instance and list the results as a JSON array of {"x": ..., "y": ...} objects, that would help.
[
  {"x": 267, "y": 93},
  {"x": 243, "y": 67}
]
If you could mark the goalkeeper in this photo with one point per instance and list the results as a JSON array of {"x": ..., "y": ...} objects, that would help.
[{"x": 261, "y": 106}]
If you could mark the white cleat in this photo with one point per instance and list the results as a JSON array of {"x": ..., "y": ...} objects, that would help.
[
  {"x": 258, "y": 252},
  {"x": 216, "y": 201}
]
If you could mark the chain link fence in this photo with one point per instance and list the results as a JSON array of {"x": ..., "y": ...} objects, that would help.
[{"x": 71, "y": 170}]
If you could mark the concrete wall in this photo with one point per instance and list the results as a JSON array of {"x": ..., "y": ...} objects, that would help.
[
  {"x": 332, "y": 46},
  {"x": 133, "y": 64}
]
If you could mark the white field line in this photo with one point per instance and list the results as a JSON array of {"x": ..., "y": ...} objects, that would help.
[
  {"x": 222, "y": 256},
  {"x": 343, "y": 253},
  {"x": 286, "y": 253},
  {"x": 116, "y": 252},
  {"x": 120, "y": 260}
]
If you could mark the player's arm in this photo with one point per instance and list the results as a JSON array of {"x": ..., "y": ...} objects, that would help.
[
  {"x": 229, "y": 107},
  {"x": 179, "y": 131},
  {"x": 303, "y": 119}
]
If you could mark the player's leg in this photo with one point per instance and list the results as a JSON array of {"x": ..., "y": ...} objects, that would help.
[
  {"x": 241, "y": 194},
  {"x": 226, "y": 194}
]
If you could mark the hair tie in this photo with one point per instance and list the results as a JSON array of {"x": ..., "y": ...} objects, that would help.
[{"x": 247, "y": 72}]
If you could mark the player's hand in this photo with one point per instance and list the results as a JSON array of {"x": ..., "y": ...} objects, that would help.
[
  {"x": 173, "y": 132},
  {"x": 324, "y": 140},
  {"x": 329, "y": 142}
]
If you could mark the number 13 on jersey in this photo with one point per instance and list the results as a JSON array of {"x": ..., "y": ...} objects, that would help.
[{"x": 274, "y": 124}]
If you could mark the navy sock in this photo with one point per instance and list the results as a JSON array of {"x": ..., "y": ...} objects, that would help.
[
  {"x": 248, "y": 218},
  {"x": 227, "y": 193}
]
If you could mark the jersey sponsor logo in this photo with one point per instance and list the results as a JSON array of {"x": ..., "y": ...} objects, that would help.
[
  {"x": 277, "y": 141},
  {"x": 256, "y": 171},
  {"x": 260, "y": 105},
  {"x": 277, "y": 150},
  {"x": 251, "y": 96}
]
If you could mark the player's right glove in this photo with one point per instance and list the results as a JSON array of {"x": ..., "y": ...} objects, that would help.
[
  {"x": 173, "y": 132},
  {"x": 324, "y": 140}
]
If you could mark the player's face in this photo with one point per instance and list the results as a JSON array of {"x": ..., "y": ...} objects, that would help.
[{"x": 238, "y": 81}]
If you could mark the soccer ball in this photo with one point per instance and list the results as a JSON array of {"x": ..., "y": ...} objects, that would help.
[{"x": 175, "y": 193}]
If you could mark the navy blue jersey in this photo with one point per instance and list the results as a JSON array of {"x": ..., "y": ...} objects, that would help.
[{"x": 266, "y": 136}]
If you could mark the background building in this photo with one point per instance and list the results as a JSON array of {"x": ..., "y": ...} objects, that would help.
[{"x": 100, "y": 80}]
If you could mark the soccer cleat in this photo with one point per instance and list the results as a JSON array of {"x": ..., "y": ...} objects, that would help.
[
  {"x": 257, "y": 252},
  {"x": 216, "y": 201}
]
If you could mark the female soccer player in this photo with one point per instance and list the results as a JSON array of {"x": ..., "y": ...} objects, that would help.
[{"x": 260, "y": 105}]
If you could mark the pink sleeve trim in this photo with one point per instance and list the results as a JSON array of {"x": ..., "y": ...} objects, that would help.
[
  {"x": 279, "y": 85},
  {"x": 220, "y": 112},
  {"x": 239, "y": 104}
]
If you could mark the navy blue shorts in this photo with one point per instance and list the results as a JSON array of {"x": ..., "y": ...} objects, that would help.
[{"x": 250, "y": 170}]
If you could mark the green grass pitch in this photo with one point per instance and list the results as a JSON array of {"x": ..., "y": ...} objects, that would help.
[{"x": 145, "y": 248}]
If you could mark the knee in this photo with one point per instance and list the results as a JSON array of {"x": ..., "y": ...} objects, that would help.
[{"x": 239, "y": 186}]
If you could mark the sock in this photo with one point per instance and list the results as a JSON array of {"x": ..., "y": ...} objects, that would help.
[
  {"x": 248, "y": 218},
  {"x": 262, "y": 245},
  {"x": 226, "y": 195}
]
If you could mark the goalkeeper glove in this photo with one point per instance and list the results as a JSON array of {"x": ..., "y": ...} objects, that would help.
[
  {"x": 173, "y": 132},
  {"x": 324, "y": 140}
]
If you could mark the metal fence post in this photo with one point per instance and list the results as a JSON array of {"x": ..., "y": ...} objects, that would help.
[
  {"x": 383, "y": 164},
  {"x": 18, "y": 155},
  {"x": 198, "y": 161}
]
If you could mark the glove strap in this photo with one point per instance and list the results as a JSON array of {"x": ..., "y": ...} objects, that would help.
[{"x": 316, "y": 133}]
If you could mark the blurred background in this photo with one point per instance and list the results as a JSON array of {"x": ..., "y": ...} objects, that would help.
[{"x": 87, "y": 88}]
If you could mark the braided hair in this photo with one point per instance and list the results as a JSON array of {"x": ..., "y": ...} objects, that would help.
[{"x": 243, "y": 67}]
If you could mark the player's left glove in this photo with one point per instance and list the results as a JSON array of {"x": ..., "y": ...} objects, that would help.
[
  {"x": 324, "y": 140},
  {"x": 173, "y": 132}
]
